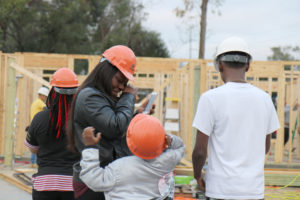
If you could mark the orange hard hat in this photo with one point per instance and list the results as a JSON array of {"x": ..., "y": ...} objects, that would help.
[
  {"x": 146, "y": 136},
  {"x": 123, "y": 58},
  {"x": 64, "y": 77}
]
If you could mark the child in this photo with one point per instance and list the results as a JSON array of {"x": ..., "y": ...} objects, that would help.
[{"x": 145, "y": 175}]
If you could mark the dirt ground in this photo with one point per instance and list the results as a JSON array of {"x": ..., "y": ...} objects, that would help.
[
  {"x": 289, "y": 193},
  {"x": 15, "y": 193}
]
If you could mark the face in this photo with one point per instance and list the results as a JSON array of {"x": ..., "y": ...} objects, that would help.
[
  {"x": 43, "y": 97},
  {"x": 119, "y": 82}
]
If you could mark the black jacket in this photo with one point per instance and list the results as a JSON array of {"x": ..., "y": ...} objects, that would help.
[{"x": 111, "y": 118}]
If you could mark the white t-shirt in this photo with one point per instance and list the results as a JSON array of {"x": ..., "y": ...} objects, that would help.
[{"x": 236, "y": 117}]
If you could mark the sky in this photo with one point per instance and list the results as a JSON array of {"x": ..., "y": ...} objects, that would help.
[{"x": 261, "y": 23}]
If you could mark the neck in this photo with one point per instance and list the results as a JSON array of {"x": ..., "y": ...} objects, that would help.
[
  {"x": 236, "y": 81},
  {"x": 230, "y": 75}
]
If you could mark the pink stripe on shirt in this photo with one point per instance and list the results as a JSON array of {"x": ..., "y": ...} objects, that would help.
[
  {"x": 31, "y": 146},
  {"x": 52, "y": 183}
]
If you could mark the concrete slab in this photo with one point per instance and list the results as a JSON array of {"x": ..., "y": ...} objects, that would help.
[{"x": 9, "y": 191}]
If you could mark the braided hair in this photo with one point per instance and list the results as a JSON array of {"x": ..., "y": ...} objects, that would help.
[{"x": 59, "y": 105}]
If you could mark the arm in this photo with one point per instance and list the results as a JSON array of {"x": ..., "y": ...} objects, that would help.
[
  {"x": 268, "y": 142},
  {"x": 96, "y": 178},
  {"x": 30, "y": 140},
  {"x": 111, "y": 121},
  {"x": 174, "y": 142},
  {"x": 173, "y": 154},
  {"x": 35, "y": 151},
  {"x": 143, "y": 106},
  {"x": 199, "y": 157}
]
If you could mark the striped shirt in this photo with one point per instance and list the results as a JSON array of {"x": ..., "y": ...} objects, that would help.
[
  {"x": 52, "y": 183},
  {"x": 55, "y": 161}
]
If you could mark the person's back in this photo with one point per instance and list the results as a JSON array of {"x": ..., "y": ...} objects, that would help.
[
  {"x": 242, "y": 114},
  {"x": 135, "y": 177},
  {"x": 46, "y": 137},
  {"x": 234, "y": 122},
  {"x": 54, "y": 158}
]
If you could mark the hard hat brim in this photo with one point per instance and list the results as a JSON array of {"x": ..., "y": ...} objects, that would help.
[{"x": 128, "y": 75}]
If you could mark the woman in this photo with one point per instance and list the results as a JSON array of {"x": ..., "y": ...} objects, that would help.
[
  {"x": 46, "y": 137},
  {"x": 104, "y": 101}
]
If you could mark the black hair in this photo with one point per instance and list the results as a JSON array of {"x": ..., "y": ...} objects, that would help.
[
  {"x": 101, "y": 79},
  {"x": 59, "y": 105}
]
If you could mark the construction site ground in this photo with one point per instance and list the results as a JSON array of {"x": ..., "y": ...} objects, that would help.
[{"x": 12, "y": 188}]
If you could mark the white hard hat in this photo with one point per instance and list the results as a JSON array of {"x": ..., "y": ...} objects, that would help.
[
  {"x": 44, "y": 91},
  {"x": 232, "y": 44}
]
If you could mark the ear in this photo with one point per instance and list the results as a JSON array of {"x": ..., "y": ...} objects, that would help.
[
  {"x": 247, "y": 67},
  {"x": 221, "y": 67}
]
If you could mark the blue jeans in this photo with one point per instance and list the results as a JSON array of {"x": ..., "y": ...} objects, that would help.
[{"x": 33, "y": 158}]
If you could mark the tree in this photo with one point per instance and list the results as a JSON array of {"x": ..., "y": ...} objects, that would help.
[
  {"x": 77, "y": 26},
  {"x": 201, "y": 9},
  {"x": 147, "y": 43},
  {"x": 10, "y": 10},
  {"x": 285, "y": 53},
  {"x": 121, "y": 24}
]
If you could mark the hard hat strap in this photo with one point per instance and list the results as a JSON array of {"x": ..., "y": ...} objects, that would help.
[
  {"x": 67, "y": 91},
  {"x": 104, "y": 59},
  {"x": 234, "y": 58}
]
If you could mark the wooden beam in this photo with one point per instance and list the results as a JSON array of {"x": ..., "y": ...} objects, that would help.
[
  {"x": 3, "y": 77},
  {"x": 10, "y": 114},
  {"x": 190, "y": 107},
  {"x": 8, "y": 177},
  {"x": 20, "y": 117},
  {"x": 30, "y": 74},
  {"x": 280, "y": 112}
]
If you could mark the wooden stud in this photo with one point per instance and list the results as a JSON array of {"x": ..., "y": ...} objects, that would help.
[
  {"x": 10, "y": 113},
  {"x": 280, "y": 112},
  {"x": 20, "y": 117},
  {"x": 2, "y": 100}
]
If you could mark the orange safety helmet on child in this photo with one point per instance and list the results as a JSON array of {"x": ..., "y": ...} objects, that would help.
[
  {"x": 123, "y": 58},
  {"x": 65, "y": 78},
  {"x": 146, "y": 136}
]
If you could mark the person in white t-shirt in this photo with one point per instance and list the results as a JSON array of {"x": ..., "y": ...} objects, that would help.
[{"x": 234, "y": 121}]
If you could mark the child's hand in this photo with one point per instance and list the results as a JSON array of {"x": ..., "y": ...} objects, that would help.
[
  {"x": 89, "y": 138},
  {"x": 168, "y": 141}
]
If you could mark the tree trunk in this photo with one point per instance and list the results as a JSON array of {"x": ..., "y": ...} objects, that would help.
[
  {"x": 202, "y": 28},
  {"x": 4, "y": 37}
]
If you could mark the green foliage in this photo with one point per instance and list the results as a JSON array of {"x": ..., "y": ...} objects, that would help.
[
  {"x": 146, "y": 43},
  {"x": 285, "y": 53},
  {"x": 75, "y": 26}
]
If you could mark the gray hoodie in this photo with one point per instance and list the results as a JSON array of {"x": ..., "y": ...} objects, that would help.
[{"x": 132, "y": 177}]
